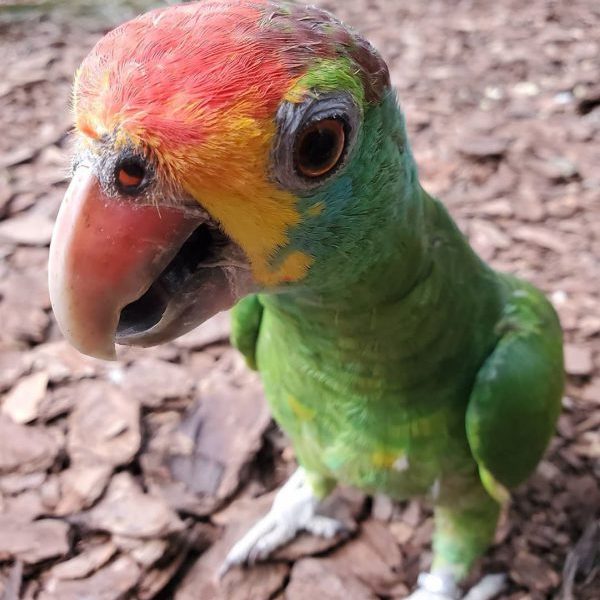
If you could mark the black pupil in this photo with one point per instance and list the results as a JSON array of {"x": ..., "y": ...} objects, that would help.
[
  {"x": 318, "y": 148},
  {"x": 134, "y": 168}
]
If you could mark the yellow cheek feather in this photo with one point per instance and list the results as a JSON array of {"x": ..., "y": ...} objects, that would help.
[{"x": 228, "y": 175}]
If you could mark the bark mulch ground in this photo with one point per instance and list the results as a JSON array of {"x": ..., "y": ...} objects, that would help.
[{"x": 131, "y": 479}]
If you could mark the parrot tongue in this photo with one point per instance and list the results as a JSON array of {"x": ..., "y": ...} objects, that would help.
[{"x": 135, "y": 274}]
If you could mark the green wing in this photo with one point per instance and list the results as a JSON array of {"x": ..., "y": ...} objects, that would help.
[
  {"x": 517, "y": 394},
  {"x": 246, "y": 317}
]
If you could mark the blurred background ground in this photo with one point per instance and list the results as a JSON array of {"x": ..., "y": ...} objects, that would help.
[{"x": 130, "y": 479}]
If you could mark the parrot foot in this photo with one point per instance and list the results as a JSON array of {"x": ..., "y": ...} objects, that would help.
[
  {"x": 488, "y": 587},
  {"x": 442, "y": 586},
  {"x": 293, "y": 510}
]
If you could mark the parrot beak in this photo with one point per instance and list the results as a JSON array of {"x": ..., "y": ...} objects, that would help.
[{"x": 136, "y": 274}]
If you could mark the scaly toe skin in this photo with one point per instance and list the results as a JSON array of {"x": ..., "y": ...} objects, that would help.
[
  {"x": 272, "y": 540},
  {"x": 325, "y": 527},
  {"x": 486, "y": 589},
  {"x": 242, "y": 552}
]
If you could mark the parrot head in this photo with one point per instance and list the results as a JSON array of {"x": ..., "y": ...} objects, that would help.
[{"x": 222, "y": 148}]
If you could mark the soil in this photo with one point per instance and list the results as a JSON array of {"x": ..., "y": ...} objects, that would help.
[{"x": 132, "y": 479}]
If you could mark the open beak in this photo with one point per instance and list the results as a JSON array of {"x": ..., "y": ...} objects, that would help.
[{"x": 136, "y": 274}]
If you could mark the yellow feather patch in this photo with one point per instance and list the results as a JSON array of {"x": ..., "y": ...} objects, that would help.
[
  {"x": 228, "y": 175},
  {"x": 384, "y": 460},
  {"x": 304, "y": 413}
]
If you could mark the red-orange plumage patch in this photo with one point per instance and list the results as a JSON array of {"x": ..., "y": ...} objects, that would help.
[
  {"x": 169, "y": 77},
  {"x": 158, "y": 73}
]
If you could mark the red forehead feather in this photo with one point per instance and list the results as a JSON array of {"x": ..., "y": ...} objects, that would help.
[
  {"x": 157, "y": 75},
  {"x": 159, "y": 70}
]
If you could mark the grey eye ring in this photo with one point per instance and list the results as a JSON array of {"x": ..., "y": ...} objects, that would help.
[{"x": 314, "y": 140}]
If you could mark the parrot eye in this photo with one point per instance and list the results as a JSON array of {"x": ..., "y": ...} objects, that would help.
[
  {"x": 130, "y": 174},
  {"x": 314, "y": 140},
  {"x": 319, "y": 147}
]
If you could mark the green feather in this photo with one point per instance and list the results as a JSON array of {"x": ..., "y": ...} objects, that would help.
[{"x": 402, "y": 363}]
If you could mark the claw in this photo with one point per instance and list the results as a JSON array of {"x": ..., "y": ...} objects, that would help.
[
  {"x": 326, "y": 527},
  {"x": 438, "y": 585},
  {"x": 293, "y": 510},
  {"x": 488, "y": 587},
  {"x": 441, "y": 586}
]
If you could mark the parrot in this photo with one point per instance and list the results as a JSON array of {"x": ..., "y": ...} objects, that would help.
[{"x": 252, "y": 155}]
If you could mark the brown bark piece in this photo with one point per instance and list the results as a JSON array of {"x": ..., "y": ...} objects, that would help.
[
  {"x": 81, "y": 485},
  {"x": 126, "y": 510},
  {"x": 104, "y": 425},
  {"x": 578, "y": 360},
  {"x": 373, "y": 558},
  {"x": 13, "y": 364},
  {"x": 31, "y": 229},
  {"x": 22, "y": 403},
  {"x": 63, "y": 363},
  {"x": 110, "y": 583},
  {"x": 481, "y": 146},
  {"x": 29, "y": 541},
  {"x": 257, "y": 583},
  {"x": 24, "y": 448},
  {"x": 151, "y": 381},
  {"x": 83, "y": 564},
  {"x": 311, "y": 578},
  {"x": 214, "y": 444},
  {"x": 533, "y": 572}
]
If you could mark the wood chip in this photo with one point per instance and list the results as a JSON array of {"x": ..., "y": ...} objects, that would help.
[
  {"x": 487, "y": 238},
  {"x": 373, "y": 557},
  {"x": 110, "y": 583},
  {"x": 22, "y": 403},
  {"x": 27, "y": 505},
  {"x": 34, "y": 541},
  {"x": 83, "y": 564},
  {"x": 144, "y": 552},
  {"x": 104, "y": 425},
  {"x": 126, "y": 510},
  {"x": 63, "y": 363},
  {"x": 540, "y": 237},
  {"x": 578, "y": 360},
  {"x": 533, "y": 572},
  {"x": 208, "y": 453},
  {"x": 14, "y": 483},
  {"x": 81, "y": 485},
  {"x": 151, "y": 381},
  {"x": 25, "y": 449},
  {"x": 31, "y": 229},
  {"x": 481, "y": 146},
  {"x": 311, "y": 578},
  {"x": 13, "y": 364},
  {"x": 258, "y": 583}
]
